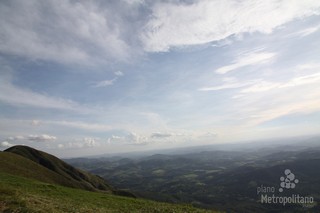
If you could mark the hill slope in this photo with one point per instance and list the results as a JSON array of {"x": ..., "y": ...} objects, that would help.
[
  {"x": 18, "y": 194},
  {"x": 28, "y": 162},
  {"x": 17, "y": 165}
]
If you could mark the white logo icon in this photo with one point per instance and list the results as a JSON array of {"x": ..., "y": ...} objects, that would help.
[{"x": 289, "y": 181}]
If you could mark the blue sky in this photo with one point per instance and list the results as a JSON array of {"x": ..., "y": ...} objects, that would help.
[{"x": 91, "y": 77}]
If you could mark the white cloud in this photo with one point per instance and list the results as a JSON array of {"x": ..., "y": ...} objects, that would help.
[
  {"x": 160, "y": 135},
  {"x": 115, "y": 139},
  {"x": 62, "y": 31},
  {"x": 263, "y": 86},
  {"x": 86, "y": 142},
  {"x": 119, "y": 73},
  {"x": 41, "y": 138},
  {"x": 15, "y": 138},
  {"x": 134, "y": 1},
  {"x": 302, "y": 80},
  {"x": 309, "y": 66},
  {"x": 209, "y": 135},
  {"x": 90, "y": 142},
  {"x": 179, "y": 24},
  {"x": 81, "y": 125},
  {"x": 17, "y": 96},
  {"x": 35, "y": 122},
  {"x": 131, "y": 138},
  {"x": 91, "y": 32},
  {"x": 136, "y": 139},
  {"x": 6, "y": 144},
  {"x": 307, "y": 31},
  {"x": 106, "y": 83},
  {"x": 60, "y": 146},
  {"x": 110, "y": 82},
  {"x": 252, "y": 58},
  {"x": 232, "y": 85},
  {"x": 268, "y": 100},
  {"x": 300, "y": 107}
]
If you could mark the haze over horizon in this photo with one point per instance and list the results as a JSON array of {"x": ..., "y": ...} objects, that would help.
[{"x": 92, "y": 77}]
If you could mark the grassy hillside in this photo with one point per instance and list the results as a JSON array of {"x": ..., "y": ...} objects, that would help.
[
  {"x": 48, "y": 168},
  {"x": 17, "y": 165},
  {"x": 18, "y": 194}
]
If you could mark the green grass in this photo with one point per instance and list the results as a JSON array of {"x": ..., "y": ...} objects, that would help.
[
  {"x": 17, "y": 165},
  {"x": 61, "y": 172},
  {"x": 18, "y": 194}
]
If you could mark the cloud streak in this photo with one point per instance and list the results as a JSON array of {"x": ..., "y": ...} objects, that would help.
[
  {"x": 200, "y": 22},
  {"x": 81, "y": 125},
  {"x": 307, "y": 31},
  {"x": 297, "y": 95},
  {"x": 105, "y": 83},
  {"x": 34, "y": 138},
  {"x": 41, "y": 138},
  {"x": 18, "y": 96},
  {"x": 264, "y": 86},
  {"x": 233, "y": 85},
  {"x": 253, "y": 58}
]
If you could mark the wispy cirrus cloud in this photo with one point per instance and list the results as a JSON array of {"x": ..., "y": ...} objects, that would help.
[
  {"x": 17, "y": 96},
  {"x": 259, "y": 85},
  {"x": 229, "y": 85},
  {"x": 297, "y": 95},
  {"x": 118, "y": 74},
  {"x": 252, "y": 58},
  {"x": 199, "y": 22},
  {"x": 263, "y": 86},
  {"x": 81, "y": 125},
  {"x": 306, "y": 32},
  {"x": 105, "y": 83}
]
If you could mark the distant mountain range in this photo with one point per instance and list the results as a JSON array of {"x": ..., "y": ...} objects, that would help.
[{"x": 224, "y": 178}]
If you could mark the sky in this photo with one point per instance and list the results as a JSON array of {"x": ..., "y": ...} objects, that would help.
[{"x": 81, "y": 78}]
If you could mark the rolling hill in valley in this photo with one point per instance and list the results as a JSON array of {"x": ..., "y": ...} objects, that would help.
[{"x": 35, "y": 181}]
